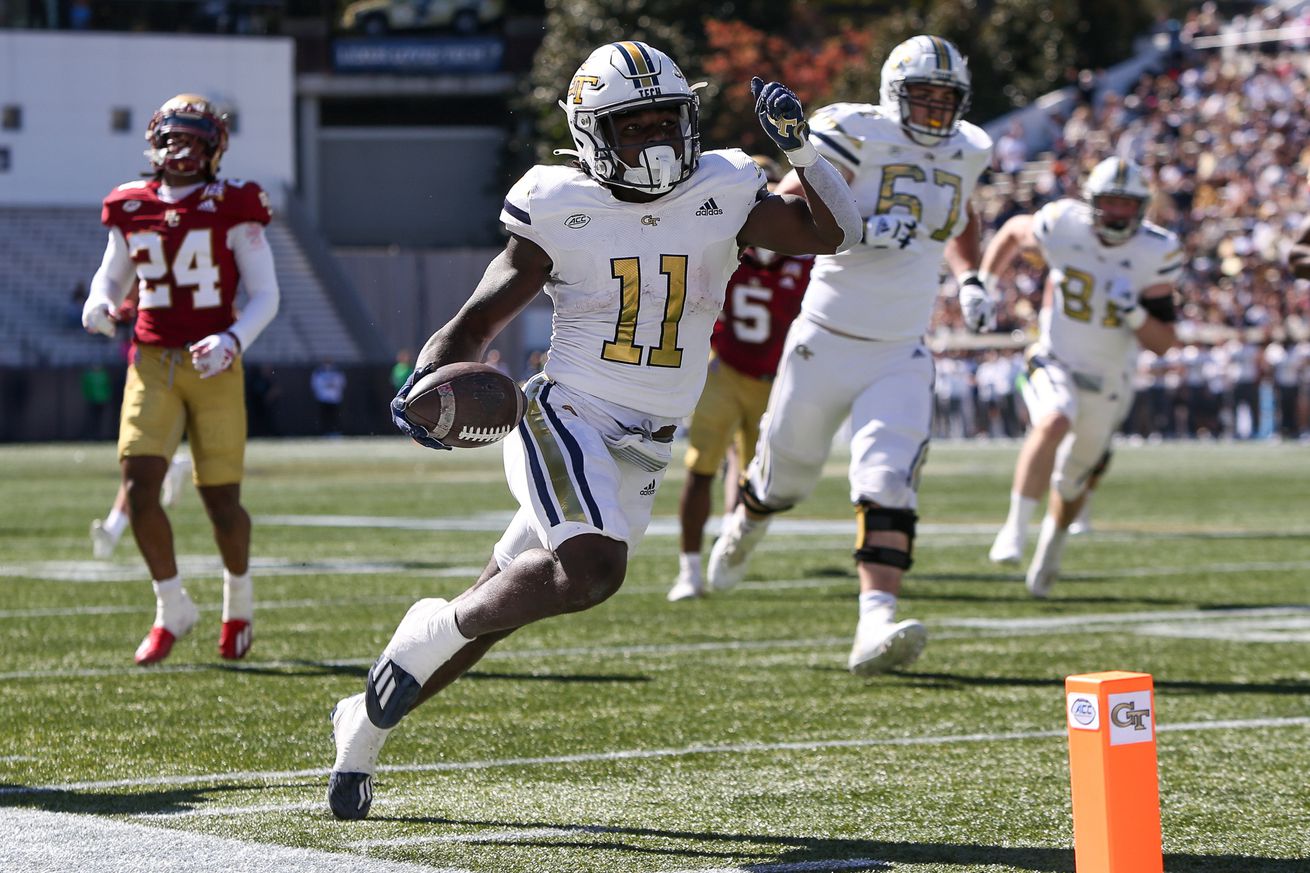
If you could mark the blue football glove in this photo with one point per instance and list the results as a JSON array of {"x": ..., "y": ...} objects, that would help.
[
  {"x": 783, "y": 119},
  {"x": 416, "y": 432}
]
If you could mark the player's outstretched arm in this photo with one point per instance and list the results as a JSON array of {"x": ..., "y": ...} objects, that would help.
[{"x": 827, "y": 220}]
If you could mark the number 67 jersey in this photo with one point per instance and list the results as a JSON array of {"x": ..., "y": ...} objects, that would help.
[
  {"x": 636, "y": 286},
  {"x": 185, "y": 268}
]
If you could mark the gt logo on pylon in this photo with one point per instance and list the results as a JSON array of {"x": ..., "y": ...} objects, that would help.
[{"x": 1124, "y": 715}]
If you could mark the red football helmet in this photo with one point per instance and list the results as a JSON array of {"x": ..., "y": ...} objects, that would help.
[{"x": 187, "y": 136}]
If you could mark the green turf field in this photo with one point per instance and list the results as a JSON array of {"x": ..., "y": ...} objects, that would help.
[{"x": 720, "y": 735}]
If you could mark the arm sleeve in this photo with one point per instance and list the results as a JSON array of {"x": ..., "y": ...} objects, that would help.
[
  {"x": 111, "y": 282},
  {"x": 255, "y": 261}
]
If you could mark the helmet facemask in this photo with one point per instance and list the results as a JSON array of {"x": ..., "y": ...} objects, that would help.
[
  {"x": 659, "y": 164},
  {"x": 1115, "y": 225},
  {"x": 187, "y": 138},
  {"x": 942, "y": 117}
]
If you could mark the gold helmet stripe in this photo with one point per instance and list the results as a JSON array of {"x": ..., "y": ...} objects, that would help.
[
  {"x": 639, "y": 63},
  {"x": 942, "y": 51}
]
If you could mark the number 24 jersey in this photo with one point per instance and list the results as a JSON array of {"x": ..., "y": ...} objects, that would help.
[{"x": 636, "y": 286}]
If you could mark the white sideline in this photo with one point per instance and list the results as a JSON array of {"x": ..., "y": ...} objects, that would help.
[
  {"x": 36, "y": 840},
  {"x": 631, "y": 755}
]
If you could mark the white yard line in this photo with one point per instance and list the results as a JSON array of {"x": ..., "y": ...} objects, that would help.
[
  {"x": 209, "y": 565},
  {"x": 1279, "y": 624},
  {"x": 35, "y": 840},
  {"x": 633, "y": 755}
]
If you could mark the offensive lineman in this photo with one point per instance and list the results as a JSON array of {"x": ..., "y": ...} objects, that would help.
[
  {"x": 857, "y": 349},
  {"x": 187, "y": 238},
  {"x": 1111, "y": 288},
  {"x": 634, "y": 245}
]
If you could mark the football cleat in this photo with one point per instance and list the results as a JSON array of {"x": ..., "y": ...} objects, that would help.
[
  {"x": 358, "y": 742},
  {"x": 235, "y": 638},
  {"x": 1008, "y": 546},
  {"x": 881, "y": 646},
  {"x": 389, "y": 693},
  {"x": 102, "y": 541},
  {"x": 171, "y": 624},
  {"x": 732, "y": 551},
  {"x": 687, "y": 587},
  {"x": 1083, "y": 523}
]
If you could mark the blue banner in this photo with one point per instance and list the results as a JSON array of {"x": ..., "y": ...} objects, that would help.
[{"x": 417, "y": 54}]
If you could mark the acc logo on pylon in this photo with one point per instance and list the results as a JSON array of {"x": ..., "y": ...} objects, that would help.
[{"x": 1084, "y": 713}]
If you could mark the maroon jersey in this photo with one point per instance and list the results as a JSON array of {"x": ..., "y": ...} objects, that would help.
[
  {"x": 761, "y": 302},
  {"x": 186, "y": 273}
]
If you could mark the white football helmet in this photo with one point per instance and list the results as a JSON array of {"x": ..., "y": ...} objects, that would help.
[
  {"x": 620, "y": 77},
  {"x": 928, "y": 60},
  {"x": 1116, "y": 177}
]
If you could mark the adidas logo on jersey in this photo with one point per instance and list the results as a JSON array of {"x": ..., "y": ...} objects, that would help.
[
  {"x": 709, "y": 208},
  {"x": 649, "y": 489}
]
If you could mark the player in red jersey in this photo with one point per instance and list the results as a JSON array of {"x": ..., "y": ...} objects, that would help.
[
  {"x": 185, "y": 239},
  {"x": 763, "y": 298}
]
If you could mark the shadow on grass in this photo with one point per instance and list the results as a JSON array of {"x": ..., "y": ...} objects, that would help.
[
  {"x": 324, "y": 668},
  {"x": 715, "y": 847},
  {"x": 161, "y": 801},
  {"x": 1295, "y": 687},
  {"x": 843, "y": 854}
]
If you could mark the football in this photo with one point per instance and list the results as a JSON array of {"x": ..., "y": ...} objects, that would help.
[{"x": 466, "y": 404}]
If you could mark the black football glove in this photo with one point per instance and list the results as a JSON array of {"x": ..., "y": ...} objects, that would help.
[{"x": 417, "y": 432}]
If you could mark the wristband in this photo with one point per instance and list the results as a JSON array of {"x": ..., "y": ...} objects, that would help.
[
  {"x": 804, "y": 156},
  {"x": 1135, "y": 318},
  {"x": 236, "y": 339},
  {"x": 971, "y": 277}
]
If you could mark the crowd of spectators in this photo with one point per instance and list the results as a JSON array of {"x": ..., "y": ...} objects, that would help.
[{"x": 1224, "y": 135}]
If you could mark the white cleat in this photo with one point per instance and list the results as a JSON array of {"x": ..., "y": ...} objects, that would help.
[
  {"x": 102, "y": 541},
  {"x": 687, "y": 587},
  {"x": 1040, "y": 579},
  {"x": 1007, "y": 548},
  {"x": 881, "y": 646},
  {"x": 358, "y": 742},
  {"x": 732, "y": 550}
]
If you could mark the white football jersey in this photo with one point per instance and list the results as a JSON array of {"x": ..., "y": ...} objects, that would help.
[
  {"x": 888, "y": 293},
  {"x": 1082, "y": 328},
  {"x": 636, "y": 286}
]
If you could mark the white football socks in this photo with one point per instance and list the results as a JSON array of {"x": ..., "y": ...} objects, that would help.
[
  {"x": 174, "y": 611},
  {"x": 1021, "y": 511},
  {"x": 426, "y": 638},
  {"x": 689, "y": 566},
  {"x": 238, "y": 596},
  {"x": 115, "y": 523},
  {"x": 877, "y": 606}
]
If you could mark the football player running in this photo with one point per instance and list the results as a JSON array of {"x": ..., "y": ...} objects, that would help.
[
  {"x": 763, "y": 298},
  {"x": 185, "y": 239},
  {"x": 857, "y": 349},
  {"x": 634, "y": 245},
  {"x": 1110, "y": 283}
]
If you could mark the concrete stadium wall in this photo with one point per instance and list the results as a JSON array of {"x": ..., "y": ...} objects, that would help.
[{"x": 67, "y": 86}]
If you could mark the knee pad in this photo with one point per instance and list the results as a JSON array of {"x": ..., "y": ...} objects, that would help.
[
  {"x": 746, "y": 494},
  {"x": 872, "y": 517}
]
